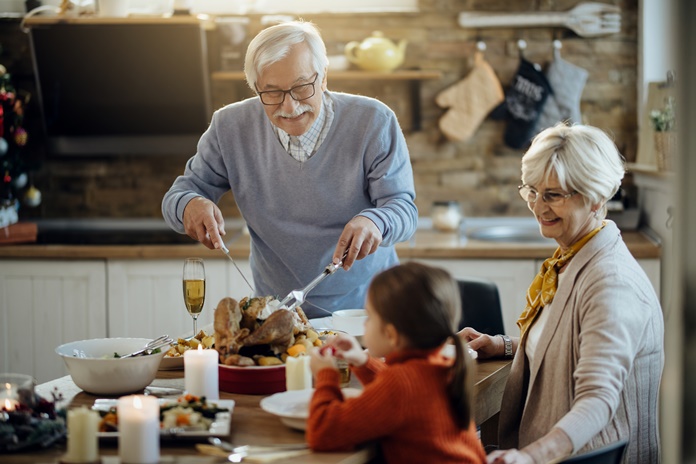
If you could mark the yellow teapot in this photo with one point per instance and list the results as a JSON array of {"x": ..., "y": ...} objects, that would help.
[{"x": 376, "y": 53}]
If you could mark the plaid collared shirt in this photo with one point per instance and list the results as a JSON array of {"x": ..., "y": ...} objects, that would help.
[{"x": 304, "y": 146}]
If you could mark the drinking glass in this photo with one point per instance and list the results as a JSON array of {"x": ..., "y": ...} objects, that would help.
[{"x": 194, "y": 288}]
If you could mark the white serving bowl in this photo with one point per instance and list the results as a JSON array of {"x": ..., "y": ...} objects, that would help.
[
  {"x": 100, "y": 373},
  {"x": 351, "y": 321}
]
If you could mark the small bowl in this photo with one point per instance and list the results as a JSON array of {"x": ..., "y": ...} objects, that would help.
[
  {"x": 100, "y": 373},
  {"x": 251, "y": 380},
  {"x": 351, "y": 321}
]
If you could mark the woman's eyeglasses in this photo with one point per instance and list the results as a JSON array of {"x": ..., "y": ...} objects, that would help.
[
  {"x": 298, "y": 93},
  {"x": 530, "y": 195}
]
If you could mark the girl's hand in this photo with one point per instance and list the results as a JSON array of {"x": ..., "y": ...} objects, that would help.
[
  {"x": 321, "y": 359},
  {"x": 485, "y": 345},
  {"x": 347, "y": 347}
]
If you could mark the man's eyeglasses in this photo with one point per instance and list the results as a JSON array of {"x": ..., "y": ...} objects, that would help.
[
  {"x": 530, "y": 195},
  {"x": 298, "y": 93}
]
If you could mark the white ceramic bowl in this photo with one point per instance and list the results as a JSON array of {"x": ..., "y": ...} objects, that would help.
[
  {"x": 100, "y": 373},
  {"x": 351, "y": 321}
]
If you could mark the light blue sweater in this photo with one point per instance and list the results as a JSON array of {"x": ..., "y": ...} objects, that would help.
[{"x": 296, "y": 211}]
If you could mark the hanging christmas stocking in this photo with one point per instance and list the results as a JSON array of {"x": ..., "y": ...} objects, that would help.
[
  {"x": 567, "y": 81},
  {"x": 524, "y": 100},
  {"x": 469, "y": 100}
]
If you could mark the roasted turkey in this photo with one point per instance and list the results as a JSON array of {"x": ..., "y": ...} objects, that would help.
[{"x": 253, "y": 322}]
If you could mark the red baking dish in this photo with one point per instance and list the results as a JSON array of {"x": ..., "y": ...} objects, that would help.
[{"x": 252, "y": 380}]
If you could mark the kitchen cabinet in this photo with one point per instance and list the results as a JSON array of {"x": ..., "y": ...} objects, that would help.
[
  {"x": 44, "y": 304},
  {"x": 145, "y": 297}
]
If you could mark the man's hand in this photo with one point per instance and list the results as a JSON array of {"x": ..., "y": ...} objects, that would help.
[
  {"x": 360, "y": 238},
  {"x": 203, "y": 222}
]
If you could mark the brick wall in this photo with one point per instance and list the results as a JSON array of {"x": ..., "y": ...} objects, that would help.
[{"x": 482, "y": 173}]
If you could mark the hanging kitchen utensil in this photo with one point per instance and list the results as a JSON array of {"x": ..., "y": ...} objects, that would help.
[{"x": 588, "y": 19}]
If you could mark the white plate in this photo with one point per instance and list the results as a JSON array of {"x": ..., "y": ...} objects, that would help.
[
  {"x": 292, "y": 407},
  {"x": 220, "y": 426}
]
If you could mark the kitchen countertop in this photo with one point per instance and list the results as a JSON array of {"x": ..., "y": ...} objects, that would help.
[{"x": 141, "y": 239}]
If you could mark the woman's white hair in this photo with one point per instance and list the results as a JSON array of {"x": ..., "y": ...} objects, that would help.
[
  {"x": 273, "y": 44},
  {"x": 584, "y": 159}
]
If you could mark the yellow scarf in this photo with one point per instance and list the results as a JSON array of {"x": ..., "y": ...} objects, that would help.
[{"x": 544, "y": 285}]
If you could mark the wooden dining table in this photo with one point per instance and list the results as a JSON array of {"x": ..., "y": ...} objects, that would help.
[{"x": 250, "y": 425}]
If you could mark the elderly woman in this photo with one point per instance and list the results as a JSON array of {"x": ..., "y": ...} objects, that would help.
[{"x": 588, "y": 362}]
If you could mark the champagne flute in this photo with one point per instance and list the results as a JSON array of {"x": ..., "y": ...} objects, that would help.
[{"x": 194, "y": 288}]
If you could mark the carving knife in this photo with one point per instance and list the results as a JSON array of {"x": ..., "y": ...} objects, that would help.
[{"x": 227, "y": 252}]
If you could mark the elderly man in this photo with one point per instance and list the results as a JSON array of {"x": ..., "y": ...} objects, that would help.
[{"x": 315, "y": 174}]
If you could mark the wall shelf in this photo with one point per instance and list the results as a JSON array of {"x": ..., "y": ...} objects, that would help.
[
  {"x": 398, "y": 75},
  {"x": 414, "y": 76}
]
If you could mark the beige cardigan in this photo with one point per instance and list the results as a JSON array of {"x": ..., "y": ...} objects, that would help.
[{"x": 597, "y": 369}]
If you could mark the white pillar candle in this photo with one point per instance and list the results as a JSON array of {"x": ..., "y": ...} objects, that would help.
[
  {"x": 201, "y": 373},
  {"x": 298, "y": 375},
  {"x": 138, "y": 429},
  {"x": 83, "y": 444}
]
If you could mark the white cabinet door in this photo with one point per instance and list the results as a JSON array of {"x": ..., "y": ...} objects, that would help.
[
  {"x": 146, "y": 297},
  {"x": 512, "y": 276},
  {"x": 44, "y": 304}
]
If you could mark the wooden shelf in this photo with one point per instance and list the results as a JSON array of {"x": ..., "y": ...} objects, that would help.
[
  {"x": 412, "y": 76},
  {"x": 398, "y": 75}
]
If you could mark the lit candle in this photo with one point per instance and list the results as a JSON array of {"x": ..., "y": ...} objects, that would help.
[
  {"x": 83, "y": 444},
  {"x": 298, "y": 375},
  {"x": 8, "y": 397},
  {"x": 201, "y": 373},
  {"x": 138, "y": 429},
  {"x": 9, "y": 405}
]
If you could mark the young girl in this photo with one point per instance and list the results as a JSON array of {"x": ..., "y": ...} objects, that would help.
[{"x": 416, "y": 403}]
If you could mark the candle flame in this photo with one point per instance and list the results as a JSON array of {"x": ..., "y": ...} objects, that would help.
[
  {"x": 200, "y": 347},
  {"x": 9, "y": 405},
  {"x": 137, "y": 403}
]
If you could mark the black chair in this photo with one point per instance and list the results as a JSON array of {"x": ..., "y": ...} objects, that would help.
[
  {"x": 481, "y": 307},
  {"x": 610, "y": 454}
]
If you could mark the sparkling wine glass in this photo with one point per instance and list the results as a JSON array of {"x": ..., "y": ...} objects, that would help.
[{"x": 194, "y": 288}]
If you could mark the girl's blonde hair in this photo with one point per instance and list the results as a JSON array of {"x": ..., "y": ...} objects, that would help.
[{"x": 424, "y": 305}]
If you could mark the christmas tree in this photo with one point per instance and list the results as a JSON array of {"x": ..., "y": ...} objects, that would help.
[{"x": 14, "y": 167}]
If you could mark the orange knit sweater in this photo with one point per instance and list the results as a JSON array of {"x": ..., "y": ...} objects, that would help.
[{"x": 404, "y": 406}]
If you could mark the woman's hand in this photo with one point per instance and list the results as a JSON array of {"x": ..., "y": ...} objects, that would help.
[
  {"x": 511, "y": 456},
  {"x": 485, "y": 345}
]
